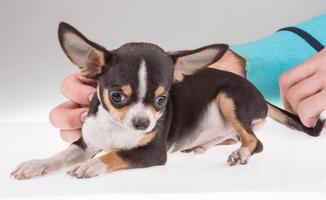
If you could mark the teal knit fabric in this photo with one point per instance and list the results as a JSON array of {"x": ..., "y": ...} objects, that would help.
[{"x": 267, "y": 59}]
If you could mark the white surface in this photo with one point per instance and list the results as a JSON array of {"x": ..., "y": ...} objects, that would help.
[{"x": 291, "y": 162}]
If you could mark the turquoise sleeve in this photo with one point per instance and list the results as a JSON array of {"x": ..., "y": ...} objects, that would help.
[{"x": 268, "y": 58}]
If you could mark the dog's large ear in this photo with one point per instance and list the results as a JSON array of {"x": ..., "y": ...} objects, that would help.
[
  {"x": 189, "y": 61},
  {"x": 88, "y": 56}
]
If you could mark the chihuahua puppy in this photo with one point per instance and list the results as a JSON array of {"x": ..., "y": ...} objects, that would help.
[{"x": 150, "y": 102}]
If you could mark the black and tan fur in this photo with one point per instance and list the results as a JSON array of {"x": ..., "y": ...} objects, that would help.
[{"x": 194, "y": 94}]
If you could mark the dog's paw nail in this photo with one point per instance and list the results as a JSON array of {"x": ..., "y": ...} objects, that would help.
[
  {"x": 29, "y": 169},
  {"x": 240, "y": 156},
  {"x": 87, "y": 169}
]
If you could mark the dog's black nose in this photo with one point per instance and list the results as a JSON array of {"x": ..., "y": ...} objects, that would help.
[{"x": 140, "y": 123}]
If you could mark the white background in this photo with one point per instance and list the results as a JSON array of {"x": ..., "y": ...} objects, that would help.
[{"x": 32, "y": 65}]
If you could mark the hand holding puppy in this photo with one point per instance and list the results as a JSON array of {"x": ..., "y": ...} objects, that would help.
[
  {"x": 70, "y": 115},
  {"x": 303, "y": 89}
]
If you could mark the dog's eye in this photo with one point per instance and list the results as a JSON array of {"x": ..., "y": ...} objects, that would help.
[
  {"x": 117, "y": 97},
  {"x": 160, "y": 101}
]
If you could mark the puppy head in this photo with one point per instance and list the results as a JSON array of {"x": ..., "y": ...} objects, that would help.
[{"x": 134, "y": 80}]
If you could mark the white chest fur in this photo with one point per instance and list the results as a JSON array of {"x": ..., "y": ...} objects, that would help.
[{"x": 101, "y": 132}]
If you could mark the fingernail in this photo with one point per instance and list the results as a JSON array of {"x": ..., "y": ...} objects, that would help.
[
  {"x": 310, "y": 122},
  {"x": 83, "y": 116},
  {"x": 306, "y": 123},
  {"x": 90, "y": 97}
]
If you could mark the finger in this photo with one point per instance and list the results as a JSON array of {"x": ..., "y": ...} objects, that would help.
[
  {"x": 230, "y": 62},
  {"x": 303, "y": 71},
  {"x": 297, "y": 74},
  {"x": 85, "y": 80},
  {"x": 70, "y": 136},
  {"x": 75, "y": 88},
  {"x": 303, "y": 90},
  {"x": 68, "y": 115},
  {"x": 310, "y": 108},
  {"x": 291, "y": 78}
]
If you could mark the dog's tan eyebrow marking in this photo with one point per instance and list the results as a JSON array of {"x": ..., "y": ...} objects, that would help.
[
  {"x": 159, "y": 91},
  {"x": 121, "y": 113},
  {"x": 127, "y": 90}
]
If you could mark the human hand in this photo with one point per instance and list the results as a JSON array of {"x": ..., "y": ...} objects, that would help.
[
  {"x": 232, "y": 63},
  {"x": 70, "y": 115},
  {"x": 303, "y": 89}
]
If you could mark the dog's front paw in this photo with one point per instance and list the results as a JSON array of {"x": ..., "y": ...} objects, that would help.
[
  {"x": 30, "y": 169},
  {"x": 88, "y": 169},
  {"x": 240, "y": 156}
]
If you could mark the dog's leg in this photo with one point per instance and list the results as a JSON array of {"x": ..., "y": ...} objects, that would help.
[
  {"x": 72, "y": 155},
  {"x": 204, "y": 147},
  {"x": 249, "y": 142},
  {"x": 140, "y": 157},
  {"x": 228, "y": 142}
]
